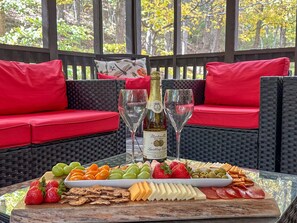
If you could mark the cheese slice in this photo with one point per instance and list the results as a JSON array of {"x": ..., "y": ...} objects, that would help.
[
  {"x": 174, "y": 191},
  {"x": 168, "y": 191},
  {"x": 179, "y": 192},
  {"x": 147, "y": 189},
  {"x": 142, "y": 191},
  {"x": 190, "y": 194},
  {"x": 154, "y": 191},
  {"x": 200, "y": 195},
  {"x": 163, "y": 195},
  {"x": 183, "y": 191},
  {"x": 134, "y": 192},
  {"x": 159, "y": 192},
  {"x": 193, "y": 192}
]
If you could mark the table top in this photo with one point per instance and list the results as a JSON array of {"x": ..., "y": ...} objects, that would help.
[{"x": 282, "y": 187}]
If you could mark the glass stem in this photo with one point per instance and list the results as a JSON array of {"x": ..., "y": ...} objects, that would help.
[
  {"x": 133, "y": 139},
  {"x": 177, "y": 135}
]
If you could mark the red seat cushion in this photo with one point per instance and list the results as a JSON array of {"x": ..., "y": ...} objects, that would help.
[
  {"x": 239, "y": 83},
  {"x": 225, "y": 116},
  {"x": 14, "y": 133},
  {"x": 56, "y": 125},
  {"x": 27, "y": 88},
  {"x": 131, "y": 83}
]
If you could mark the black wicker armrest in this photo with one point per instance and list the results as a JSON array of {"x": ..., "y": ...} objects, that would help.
[
  {"x": 198, "y": 87},
  {"x": 94, "y": 94},
  {"x": 270, "y": 123}
]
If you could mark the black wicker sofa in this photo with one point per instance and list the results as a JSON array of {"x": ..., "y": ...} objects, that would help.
[
  {"x": 254, "y": 148},
  {"x": 22, "y": 163}
]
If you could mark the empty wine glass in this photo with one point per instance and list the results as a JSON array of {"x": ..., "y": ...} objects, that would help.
[
  {"x": 132, "y": 108},
  {"x": 179, "y": 106}
]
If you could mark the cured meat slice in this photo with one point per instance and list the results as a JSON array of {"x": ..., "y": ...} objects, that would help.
[
  {"x": 233, "y": 193},
  {"x": 221, "y": 192},
  {"x": 255, "y": 192},
  {"x": 209, "y": 193},
  {"x": 242, "y": 192}
]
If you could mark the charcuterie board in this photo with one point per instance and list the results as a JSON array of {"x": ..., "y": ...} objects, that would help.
[{"x": 261, "y": 209}]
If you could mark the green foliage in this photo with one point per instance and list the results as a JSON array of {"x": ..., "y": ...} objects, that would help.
[
  {"x": 114, "y": 48},
  {"x": 74, "y": 37}
]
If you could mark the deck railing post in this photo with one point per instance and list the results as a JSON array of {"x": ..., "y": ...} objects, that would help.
[{"x": 49, "y": 27}]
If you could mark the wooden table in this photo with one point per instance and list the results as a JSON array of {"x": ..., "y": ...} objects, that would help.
[{"x": 236, "y": 210}]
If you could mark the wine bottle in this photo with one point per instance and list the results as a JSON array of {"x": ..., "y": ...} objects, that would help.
[{"x": 154, "y": 125}]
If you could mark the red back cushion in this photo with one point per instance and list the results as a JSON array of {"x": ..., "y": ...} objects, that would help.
[
  {"x": 131, "y": 83},
  {"x": 28, "y": 88},
  {"x": 239, "y": 83}
]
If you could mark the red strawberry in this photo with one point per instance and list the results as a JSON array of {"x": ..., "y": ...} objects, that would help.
[
  {"x": 34, "y": 196},
  {"x": 162, "y": 170},
  {"x": 35, "y": 183},
  {"x": 52, "y": 195},
  {"x": 51, "y": 184},
  {"x": 180, "y": 171},
  {"x": 173, "y": 164}
]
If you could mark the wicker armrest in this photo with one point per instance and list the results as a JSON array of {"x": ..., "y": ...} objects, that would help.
[
  {"x": 270, "y": 123},
  {"x": 198, "y": 87},
  {"x": 94, "y": 94}
]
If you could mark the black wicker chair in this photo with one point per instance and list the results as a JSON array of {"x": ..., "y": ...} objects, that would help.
[
  {"x": 290, "y": 215},
  {"x": 256, "y": 148},
  {"x": 288, "y": 155},
  {"x": 20, "y": 164}
]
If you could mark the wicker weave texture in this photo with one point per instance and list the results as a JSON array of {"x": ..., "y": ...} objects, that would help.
[
  {"x": 15, "y": 166},
  {"x": 289, "y": 126},
  {"x": 239, "y": 147},
  {"x": 290, "y": 215},
  {"x": 83, "y": 150},
  {"x": 270, "y": 123}
]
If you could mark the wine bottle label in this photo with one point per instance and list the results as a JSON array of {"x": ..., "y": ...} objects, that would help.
[
  {"x": 155, "y": 144},
  {"x": 155, "y": 106}
]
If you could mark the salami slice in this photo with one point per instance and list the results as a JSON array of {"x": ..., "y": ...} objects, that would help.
[
  {"x": 209, "y": 193},
  {"x": 242, "y": 192},
  {"x": 221, "y": 192},
  {"x": 232, "y": 192},
  {"x": 255, "y": 192}
]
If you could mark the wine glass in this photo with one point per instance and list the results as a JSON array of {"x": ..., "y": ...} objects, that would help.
[
  {"x": 132, "y": 108},
  {"x": 179, "y": 106}
]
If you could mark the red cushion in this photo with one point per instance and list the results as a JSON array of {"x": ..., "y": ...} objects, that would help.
[
  {"x": 239, "y": 83},
  {"x": 55, "y": 125},
  {"x": 131, "y": 83},
  {"x": 225, "y": 116},
  {"x": 14, "y": 133},
  {"x": 27, "y": 88}
]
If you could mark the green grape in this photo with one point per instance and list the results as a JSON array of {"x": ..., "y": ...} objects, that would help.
[
  {"x": 74, "y": 164},
  {"x": 62, "y": 165},
  {"x": 133, "y": 169},
  {"x": 67, "y": 169},
  {"x": 79, "y": 167},
  {"x": 115, "y": 176},
  {"x": 145, "y": 168},
  {"x": 144, "y": 175},
  {"x": 129, "y": 176},
  {"x": 117, "y": 171},
  {"x": 57, "y": 171}
]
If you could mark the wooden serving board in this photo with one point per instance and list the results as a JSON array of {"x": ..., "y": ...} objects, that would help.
[{"x": 235, "y": 210}]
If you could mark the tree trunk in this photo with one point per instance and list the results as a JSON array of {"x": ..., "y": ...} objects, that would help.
[
  {"x": 258, "y": 31},
  {"x": 2, "y": 23},
  {"x": 207, "y": 35},
  {"x": 283, "y": 40},
  {"x": 120, "y": 23},
  {"x": 76, "y": 5},
  {"x": 60, "y": 11}
]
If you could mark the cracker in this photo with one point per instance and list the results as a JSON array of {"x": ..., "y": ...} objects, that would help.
[
  {"x": 100, "y": 202},
  {"x": 79, "y": 202},
  {"x": 119, "y": 200}
]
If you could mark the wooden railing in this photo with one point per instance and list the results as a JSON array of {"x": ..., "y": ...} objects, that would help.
[{"x": 81, "y": 65}]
